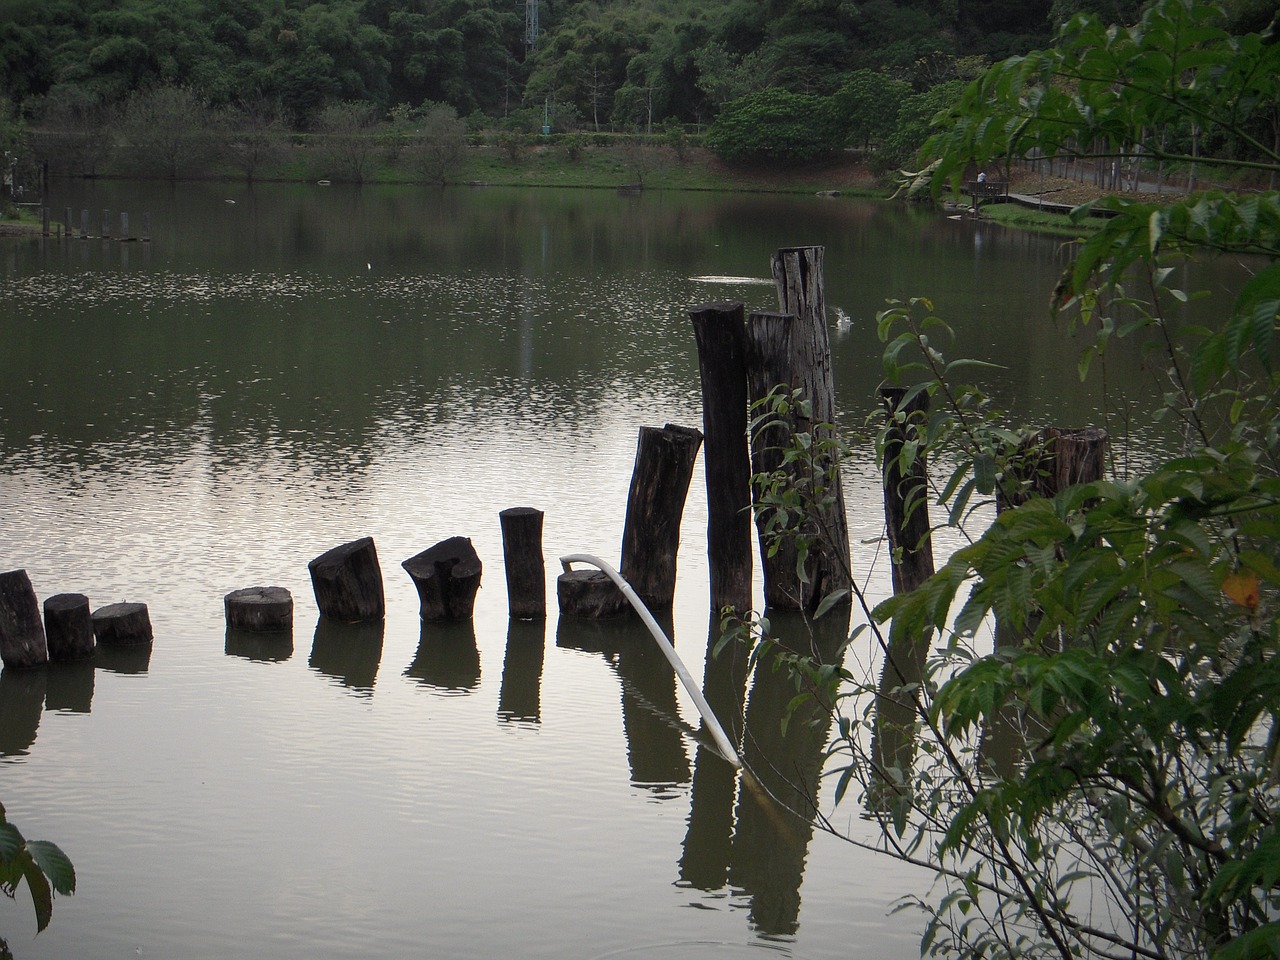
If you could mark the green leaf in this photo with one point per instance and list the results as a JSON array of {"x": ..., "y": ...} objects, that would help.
[{"x": 55, "y": 864}]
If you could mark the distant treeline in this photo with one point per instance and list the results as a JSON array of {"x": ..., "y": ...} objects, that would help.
[
  {"x": 608, "y": 64},
  {"x": 78, "y": 75}
]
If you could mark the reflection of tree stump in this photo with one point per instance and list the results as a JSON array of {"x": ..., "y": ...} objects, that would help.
[
  {"x": 21, "y": 632},
  {"x": 590, "y": 594},
  {"x": 522, "y": 558},
  {"x": 348, "y": 582},
  {"x": 447, "y": 577},
  {"x": 122, "y": 623},
  {"x": 68, "y": 627},
  {"x": 261, "y": 609}
]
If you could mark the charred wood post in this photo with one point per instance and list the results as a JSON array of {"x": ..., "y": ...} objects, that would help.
[
  {"x": 906, "y": 492},
  {"x": 590, "y": 595},
  {"x": 348, "y": 582},
  {"x": 122, "y": 624},
  {"x": 768, "y": 367},
  {"x": 907, "y": 526},
  {"x": 1053, "y": 460},
  {"x": 68, "y": 627},
  {"x": 447, "y": 576},
  {"x": 721, "y": 339},
  {"x": 524, "y": 563},
  {"x": 655, "y": 504},
  {"x": 798, "y": 273},
  {"x": 260, "y": 609},
  {"x": 22, "y": 642}
]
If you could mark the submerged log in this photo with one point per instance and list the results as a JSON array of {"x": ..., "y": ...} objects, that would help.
[
  {"x": 655, "y": 504},
  {"x": 259, "y": 609},
  {"x": 68, "y": 627},
  {"x": 348, "y": 582},
  {"x": 122, "y": 623},
  {"x": 447, "y": 576},
  {"x": 525, "y": 566},
  {"x": 721, "y": 339},
  {"x": 590, "y": 595},
  {"x": 22, "y": 642}
]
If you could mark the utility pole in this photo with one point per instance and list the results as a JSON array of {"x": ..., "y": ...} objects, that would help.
[{"x": 531, "y": 22}]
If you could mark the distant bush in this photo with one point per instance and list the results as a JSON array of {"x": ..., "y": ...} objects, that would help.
[{"x": 775, "y": 126}]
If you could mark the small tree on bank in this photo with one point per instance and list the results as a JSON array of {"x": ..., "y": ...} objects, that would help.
[
  {"x": 775, "y": 127},
  {"x": 168, "y": 132},
  {"x": 437, "y": 151}
]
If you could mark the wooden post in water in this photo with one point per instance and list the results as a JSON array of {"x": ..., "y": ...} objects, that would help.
[
  {"x": 44, "y": 221},
  {"x": 22, "y": 642},
  {"x": 768, "y": 366},
  {"x": 146, "y": 227},
  {"x": 106, "y": 224},
  {"x": 798, "y": 273},
  {"x": 655, "y": 504},
  {"x": 122, "y": 623},
  {"x": 906, "y": 494},
  {"x": 589, "y": 595},
  {"x": 124, "y": 226},
  {"x": 348, "y": 582},
  {"x": 259, "y": 609},
  {"x": 84, "y": 224},
  {"x": 68, "y": 627},
  {"x": 447, "y": 577},
  {"x": 1056, "y": 459},
  {"x": 907, "y": 526},
  {"x": 721, "y": 339},
  {"x": 70, "y": 223},
  {"x": 523, "y": 561}
]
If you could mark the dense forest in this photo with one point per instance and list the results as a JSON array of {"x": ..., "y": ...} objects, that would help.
[
  {"x": 814, "y": 75},
  {"x": 598, "y": 64}
]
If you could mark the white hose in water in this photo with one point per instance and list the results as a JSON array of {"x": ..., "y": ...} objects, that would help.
[{"x": 704, "y": 708}]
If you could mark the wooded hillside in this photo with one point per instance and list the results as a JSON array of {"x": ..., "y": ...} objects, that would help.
[{"x": 618, "y": 64}]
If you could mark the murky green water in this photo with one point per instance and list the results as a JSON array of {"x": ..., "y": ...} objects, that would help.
[{"x": 285, "y": 369}]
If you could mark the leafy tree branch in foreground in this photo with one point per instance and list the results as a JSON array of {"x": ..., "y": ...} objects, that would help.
[{"x": 1105, "y": 782}]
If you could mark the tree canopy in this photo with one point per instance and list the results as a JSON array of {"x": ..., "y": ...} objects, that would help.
[{"x": 618, "y": 62}]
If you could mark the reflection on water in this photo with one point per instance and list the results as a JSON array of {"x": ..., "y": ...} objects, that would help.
[
  {"x": 272, "y": 376},
  {"x": 348, "y": 652}
]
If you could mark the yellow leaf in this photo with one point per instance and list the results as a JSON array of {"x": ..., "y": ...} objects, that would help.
[{"x": 1241, "y": 586}]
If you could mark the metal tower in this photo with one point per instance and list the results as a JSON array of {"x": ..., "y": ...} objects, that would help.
[{"x": 531, "y": 22}]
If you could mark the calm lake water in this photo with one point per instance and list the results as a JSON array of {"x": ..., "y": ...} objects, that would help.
[{"x": 284, "y": 369}]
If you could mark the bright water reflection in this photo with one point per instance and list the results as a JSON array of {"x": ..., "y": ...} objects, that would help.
[{"x": 275, "y": 375}]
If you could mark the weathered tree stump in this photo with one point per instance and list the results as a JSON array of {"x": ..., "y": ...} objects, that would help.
[
  {"x": 348, "y": 582},
  {"x": 655, "y": 504},
  {"x": 260, "y": 609},
  {"x": 447, "y": 577},
  {"x": 523, "y": 561},
  {"x": 122, "y": 623},
  {"x": 68, "y": 627},
  {"x": 22, "y": 642},
  {"x": 721, "y": 338},
  {"x": 590, "y": 595}
]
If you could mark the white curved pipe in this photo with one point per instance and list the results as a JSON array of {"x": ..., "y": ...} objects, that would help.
[{"x": 704, "y": 708}]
